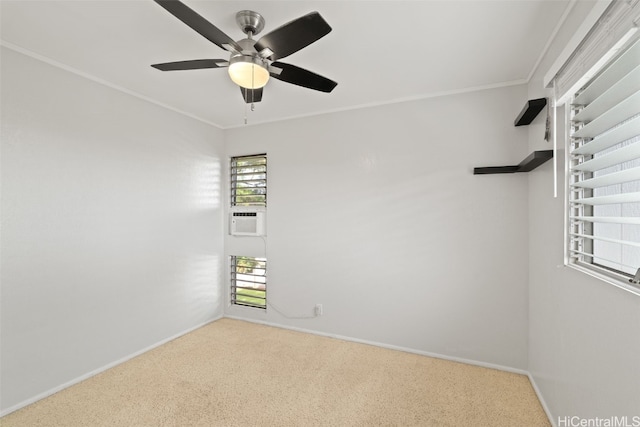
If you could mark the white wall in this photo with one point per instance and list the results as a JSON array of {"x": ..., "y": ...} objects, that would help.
[
  {"x": 584, "y": 333},
  {"x": 375, "y": 213},
  {"x": 111, "y": 226}
]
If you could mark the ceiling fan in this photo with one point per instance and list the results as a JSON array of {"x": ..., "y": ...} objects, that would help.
[{"x": 252, "y": 62}]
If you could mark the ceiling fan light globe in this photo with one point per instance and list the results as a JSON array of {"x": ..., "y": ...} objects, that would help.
[{"x": 248, "y": 74}]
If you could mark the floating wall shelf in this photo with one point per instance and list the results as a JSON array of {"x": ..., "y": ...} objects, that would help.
[
  {"x": 530, "y": 111},
  {"x": 534, "y": 160}
]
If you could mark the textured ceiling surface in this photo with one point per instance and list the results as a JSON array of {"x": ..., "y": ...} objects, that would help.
[{"x": 378, "y": 52}]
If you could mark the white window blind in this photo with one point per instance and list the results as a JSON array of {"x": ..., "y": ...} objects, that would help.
[
  {"x": 249, "y": 180},
  {"x": 614, "y": 26},
  {"x": 604, "y": 169}
]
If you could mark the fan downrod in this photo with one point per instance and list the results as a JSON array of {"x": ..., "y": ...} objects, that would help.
[{"x": 250, "y": 22}]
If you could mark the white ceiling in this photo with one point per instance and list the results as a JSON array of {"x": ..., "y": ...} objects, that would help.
[{"x": 378, "y": 51}]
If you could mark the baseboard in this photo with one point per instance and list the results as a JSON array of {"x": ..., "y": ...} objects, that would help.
[
  {"x": 389, "y": 346},
  {"x": 542, "y": 401},
  {"x": 101, "y": 369}
]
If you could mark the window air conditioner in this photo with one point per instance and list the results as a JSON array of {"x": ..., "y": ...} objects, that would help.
[{"x": 247, "y": 222}]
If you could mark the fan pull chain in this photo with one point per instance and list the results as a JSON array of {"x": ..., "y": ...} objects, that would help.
[
  {"x": 250, "y": 97},
  {"x": 253, "y": 85}
]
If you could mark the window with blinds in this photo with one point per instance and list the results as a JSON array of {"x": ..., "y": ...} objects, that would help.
[
  {"x": 604, "y": 170},
  {"x": 249, "y": 281},
  {"x": 249, "y": 180}
]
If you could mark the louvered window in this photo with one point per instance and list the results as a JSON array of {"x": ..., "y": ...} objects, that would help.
[
  {"x": 249, "y": 180},
  {"x": 249, "y": 281},
  {"x": 604, "y": 170}
]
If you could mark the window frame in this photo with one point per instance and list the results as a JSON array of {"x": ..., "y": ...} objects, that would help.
[
  {"x": 261, "y": 183},
  {"x": 261, "y": 279}
]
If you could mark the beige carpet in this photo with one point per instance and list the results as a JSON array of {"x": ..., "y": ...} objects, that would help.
[{"x": 234, "y": 373}]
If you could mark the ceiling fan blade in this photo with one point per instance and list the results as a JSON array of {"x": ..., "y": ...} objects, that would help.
[
  {"x": 251, "y": 95},
  {"x": 194, "y": 64},
  {"x": 301, "y": 77},
  {"x": 198, "y": 23},
  {"x": 293, "y": 36}
]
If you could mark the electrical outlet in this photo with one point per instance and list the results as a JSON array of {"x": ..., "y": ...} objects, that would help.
[{"x": 318, "y": 310}]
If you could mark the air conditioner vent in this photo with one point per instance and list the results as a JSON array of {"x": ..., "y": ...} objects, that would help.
[{"x": 247, "y": 222}]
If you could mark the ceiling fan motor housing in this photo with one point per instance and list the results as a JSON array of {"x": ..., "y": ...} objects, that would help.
[
  {"x": 247, "y": 46},
  {"x": 248, "y": 54}
]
